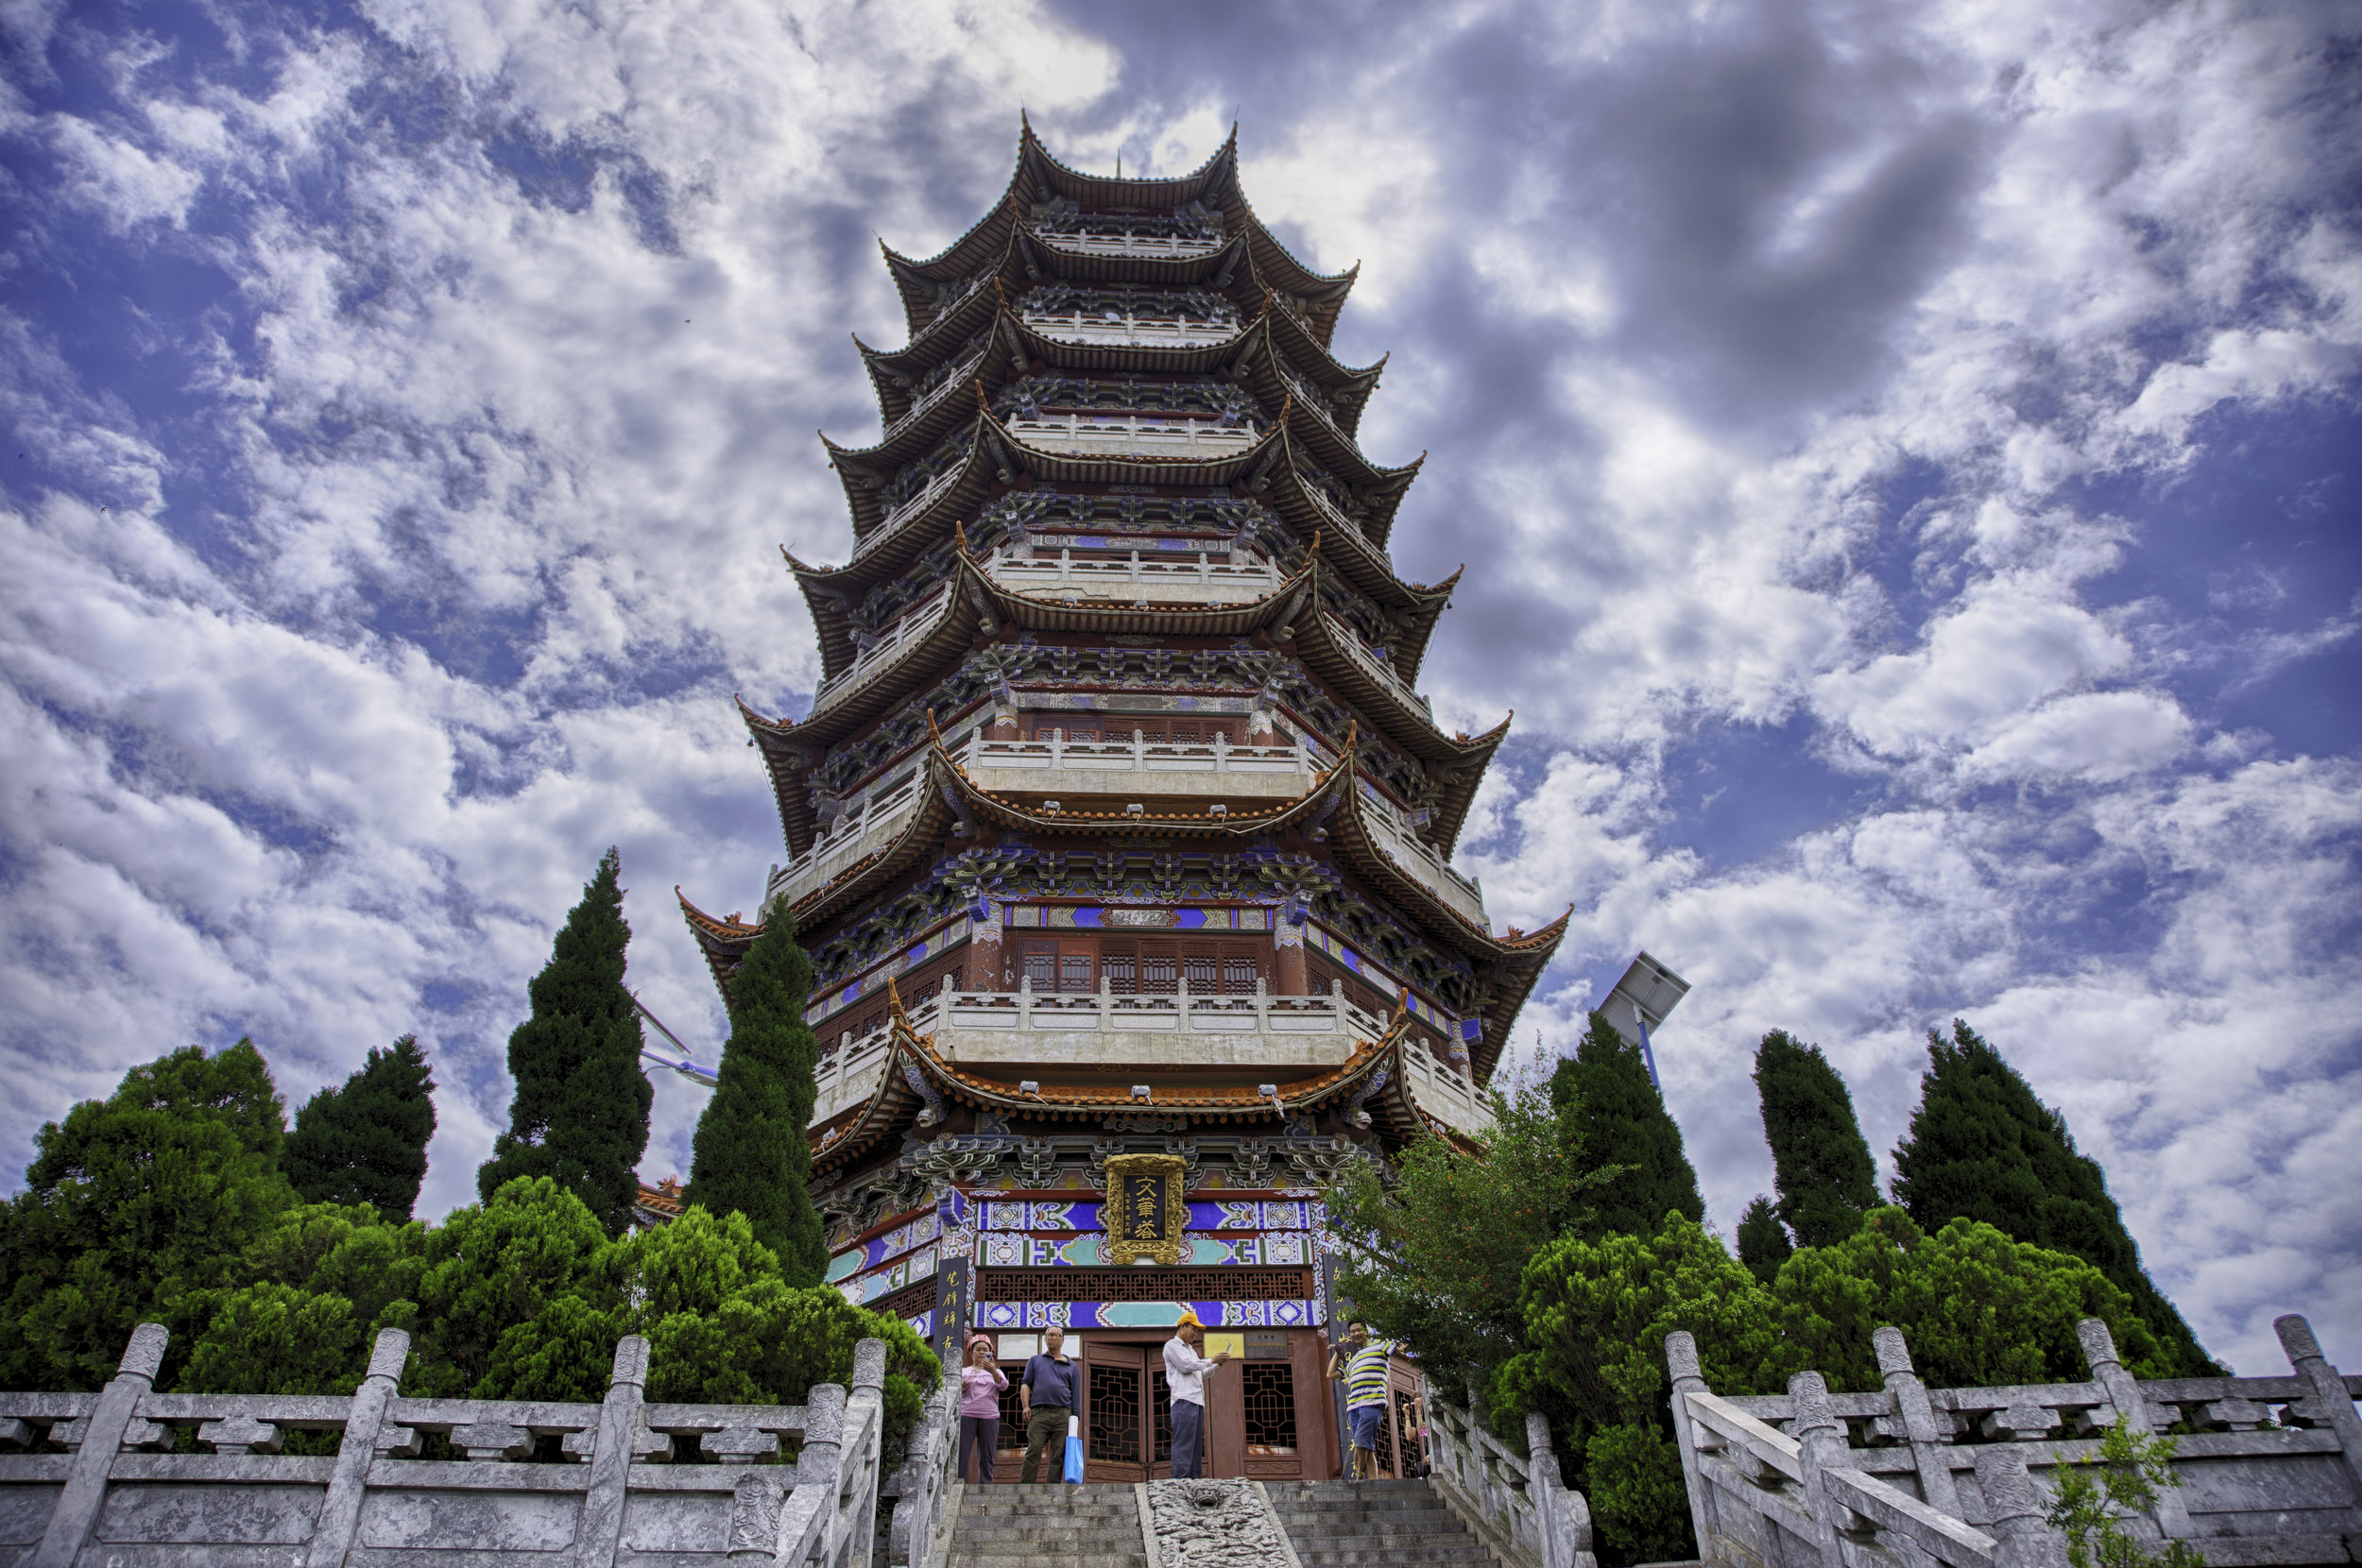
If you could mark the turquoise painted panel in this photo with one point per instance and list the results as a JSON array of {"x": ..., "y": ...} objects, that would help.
[{"x": 1139, "y": 1313}]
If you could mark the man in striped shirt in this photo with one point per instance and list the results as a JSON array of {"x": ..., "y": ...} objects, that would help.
[{"x": 1361, "y": 1362}]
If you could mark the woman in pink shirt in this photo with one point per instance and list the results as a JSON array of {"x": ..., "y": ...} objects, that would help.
[{"x": 981, "y": 1383}]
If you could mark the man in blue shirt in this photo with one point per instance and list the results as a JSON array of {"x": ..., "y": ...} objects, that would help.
[{"x": 1047, "y": 1397}]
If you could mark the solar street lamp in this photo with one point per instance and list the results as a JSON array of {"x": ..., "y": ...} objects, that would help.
[{"x": 1647, "y": 993}]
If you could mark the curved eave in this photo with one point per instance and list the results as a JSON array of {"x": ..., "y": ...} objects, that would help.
[
  {"x": 916, "y": 279},
  {"x": 1217, "y": 178},
  {"x": 1323, "y": 294},
  {"x": 890, "y": 1108},
  {"x": 723, "y": 942},
  {"x": 1250, "y": 821},
  {"x": 1133, "y": 468},
  {"x": 1510, "y": 964},
  {"x": 1457, "y": 783},
  {"x": 955, "y": 407},
  {"x": 830, "y": 600},
  {"x": 788, "y": 756},
  {"x": 868, "y": 506},
  {"x": 1404, "y": 722},
  {"x": 1044, "y": 613},
  {"x": 930, "y": 346},
  {"x": 1424, "y": 605},
  {"x": 1309, "y": 358},
  {"x": 1343, "y": 456},
  {"x": 1222, "y": 266}
]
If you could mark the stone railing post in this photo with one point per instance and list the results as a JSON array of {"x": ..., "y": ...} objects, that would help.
[
  {"x": 340, "y": 1511},
  {"x": 2330, "y": 1405},
  {"x": 1819, "y": 1448},
  {"x": 2172, "y": 1515},
  {"x": 102, "y": 1440},
  {"x": 2018, "y": 1523},
  {"x": 820, "y": 1465},
  {"x": 1681, "y": 1362},
  {"x": 601, "y": 1528},
  {"x": 1563, "y": 1517},
  {"x": 1917, "y": 1418},
  {"x": 868, "y": 1396}
]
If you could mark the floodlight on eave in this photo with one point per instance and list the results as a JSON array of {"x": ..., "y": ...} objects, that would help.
[{"x": 1649, "y": 986}]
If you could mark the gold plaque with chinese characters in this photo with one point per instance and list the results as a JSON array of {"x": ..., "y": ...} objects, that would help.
[{"x": 1145, "y": 1213}]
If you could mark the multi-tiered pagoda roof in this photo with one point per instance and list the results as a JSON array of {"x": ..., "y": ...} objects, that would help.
[{"x": 1117, "y": 803}]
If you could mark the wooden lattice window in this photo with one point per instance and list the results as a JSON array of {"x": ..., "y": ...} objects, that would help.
[
  {"x": 1115, "y": 1398},
  {"x": 1268, "y": 1390},
  {"x": 1407, "y": 1417},
  {"x": 1013, "y": 1412},
  {"x": 910, "y": 1301}
]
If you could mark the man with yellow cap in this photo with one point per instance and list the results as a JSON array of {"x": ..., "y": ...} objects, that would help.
[{"x": 1185, "y": 1376}]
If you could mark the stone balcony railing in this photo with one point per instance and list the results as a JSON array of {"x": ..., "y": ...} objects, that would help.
[
  {"x": 1525, "y": 1515},
  {"x": 953, "y": 380},
  {"x": 1419, "y": 860},
  {"x": 1380, "y": 668},
  {"x": 1206, "y": 580},
  {"x": 2267, "y": 1471},
  {"x": 905, "y": 510},
  {"x": 913, "y": 624},
  {"x": 1132, "y": 434},
  {"x": 1058, "y": 768},
  {"x": 1009, "y": 1029},
  {"x": 1162, "y": 246},
  {"x": 157, "y": 1478},
  {"x": 865, "y": 826},
  {"x": 1131, "y": 331}
]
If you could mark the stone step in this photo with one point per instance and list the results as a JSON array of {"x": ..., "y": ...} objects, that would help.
[{"x": 1372, "y": 1524}]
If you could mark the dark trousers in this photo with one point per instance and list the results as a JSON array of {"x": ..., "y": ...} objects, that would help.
[
  {"x": 1189, "y": 1439},
  {"x": 1045, "y": 1428},
  {"x": 980, "y": 1434}
]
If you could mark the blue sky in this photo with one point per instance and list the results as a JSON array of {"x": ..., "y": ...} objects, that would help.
[{"x": 1907, "y": 463}]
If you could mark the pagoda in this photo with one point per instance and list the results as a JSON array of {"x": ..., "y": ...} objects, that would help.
[{"x": 1117, "y": 831}]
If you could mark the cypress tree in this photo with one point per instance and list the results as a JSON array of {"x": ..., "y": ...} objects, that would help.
[
  {"x": 1981, "y": 1147},
  {"x": 1763, "y": 1243},
  {"x": 1822, "y": 1165},
  {"x": 751, "y": 1154},
  {"x": 1614, "y": 1116},
  {"x": 366, "y": 1142},
  {"x": 580, "y": 1114}
]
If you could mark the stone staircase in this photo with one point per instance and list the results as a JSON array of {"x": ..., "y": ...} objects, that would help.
[
  {"x": 1344, "y": 1525},
  {"x": 1019, "y": 1525},
  {"x": 1331, "y": 1524}
]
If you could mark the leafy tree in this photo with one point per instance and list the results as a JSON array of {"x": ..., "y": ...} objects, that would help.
[
  {"x": 132, "y": 1204},
  {"x": 1433, "y": 1257},
  {"x": 1763, "y": 1243},
  {"x": 1596, "y": 1311},
  {"x": 366, "y": 1142},
  {"x": 2088, "y": 1509},
  {"x": 1976, "y": 1308},
  {"x": 580, "y": 1114},
  {"x": 525, "y": 1297},
  {"x": 1614, "y": 1116},
  {"x": 750, "y": 1155},
  {"x": 1823, "y": 1170},
  {"x": 1981, "y": 1145}
]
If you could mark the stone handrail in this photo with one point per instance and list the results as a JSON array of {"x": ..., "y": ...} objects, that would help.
[
  {"x": 120, "y": 1489},
  {"x": 1138, "y": 755},
  {"x": 1417, "y": 857},
  {"x": 1137, "y": 331},
  {"x": 913, "y": 624},
  {"x": 1383, "y": 669},
  {"x": 1163, "y": 435},
  {"x": 849, "y": 838},
  {"x": 919, "y": 1486},
  {"x": 1956, "y": 1475},
  {"x": 1039, "y": 572},
  {"x": 1521, "y": 1508},
  {"x": 1133, "y": 244},
  {"x": 957, "y": 376}
]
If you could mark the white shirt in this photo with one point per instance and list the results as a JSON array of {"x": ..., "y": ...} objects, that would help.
[{"x": 1185, "y": 1372}]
